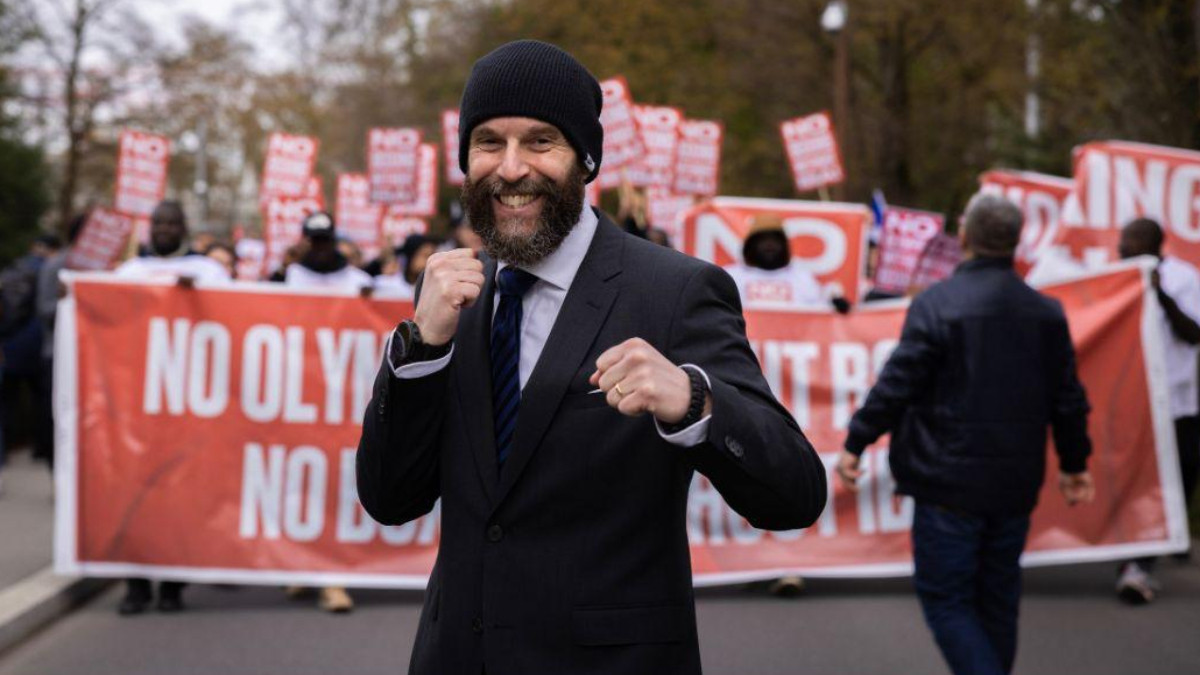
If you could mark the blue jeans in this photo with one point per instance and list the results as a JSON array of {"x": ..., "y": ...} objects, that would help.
[{"x": 969, "y": 583}]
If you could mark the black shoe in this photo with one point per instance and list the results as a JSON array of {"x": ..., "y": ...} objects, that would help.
[
  {"x": 137, "y": 597},
  {"x": 170, "y": 597}
]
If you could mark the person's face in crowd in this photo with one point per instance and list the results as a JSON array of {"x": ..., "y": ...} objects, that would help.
[
  {"x": 768, "y": 251},
  {"x": 167, "y": 230},
  {"x": 202, "y": 241},
  {"x": 420, "y": 257},
  {"x": 1134, "y": 243},
  {"x": 223, "y": 256},
  {"x": 524, "y": 188}
]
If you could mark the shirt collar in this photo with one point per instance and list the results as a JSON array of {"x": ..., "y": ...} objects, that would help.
[{"x": 559, "y": 268}]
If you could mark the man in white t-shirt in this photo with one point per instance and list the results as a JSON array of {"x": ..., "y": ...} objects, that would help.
[
  {"x": 324, "y": 266},
  {"x": 169, "y": 258},
  {"x": 1177, "y": 285}
]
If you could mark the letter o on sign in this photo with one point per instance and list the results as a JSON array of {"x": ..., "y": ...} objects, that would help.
[{"x": 833, "y": 254}]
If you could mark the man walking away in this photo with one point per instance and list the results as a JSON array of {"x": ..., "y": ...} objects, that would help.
[
  {"x": 984, "y": 365},
  {"x": 1177, "y": 286}
]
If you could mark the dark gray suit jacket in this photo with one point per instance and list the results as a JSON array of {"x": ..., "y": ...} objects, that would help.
[{"x": 574, "y": 559}]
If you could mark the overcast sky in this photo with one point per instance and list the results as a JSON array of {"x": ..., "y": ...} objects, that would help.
[{"x": 255, "y": 20}]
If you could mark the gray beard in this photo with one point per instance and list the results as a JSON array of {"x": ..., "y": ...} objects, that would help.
[{"x": 560, "y": 212}]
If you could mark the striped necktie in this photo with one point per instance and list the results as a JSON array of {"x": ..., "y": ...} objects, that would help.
[{"x": 506, "y": 357}]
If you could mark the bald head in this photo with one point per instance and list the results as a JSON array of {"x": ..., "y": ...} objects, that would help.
[
  {"x": 991, "y": 226},
  {"x": 1141, "y": 237}
]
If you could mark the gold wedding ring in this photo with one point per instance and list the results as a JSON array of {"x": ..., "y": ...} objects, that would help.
[{"x": 619, "y": 392}]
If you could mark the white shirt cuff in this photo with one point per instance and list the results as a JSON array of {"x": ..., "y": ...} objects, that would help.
[
  {"x": 695, "y": 434},
  {"x": 412, "y": 371}
]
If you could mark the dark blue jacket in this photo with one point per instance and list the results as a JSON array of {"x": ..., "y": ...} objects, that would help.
[{"x": 984, "y": 367}]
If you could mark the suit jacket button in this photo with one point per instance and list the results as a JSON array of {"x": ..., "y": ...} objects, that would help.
[
  {"x": 495, "y": 533},
  {"x": 477, "y": 626},
  {"x": 735, "y": 448}
]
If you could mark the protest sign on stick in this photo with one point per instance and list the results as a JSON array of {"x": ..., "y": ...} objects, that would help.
[
  {"x": 812, "y": 150},
  {"x": 393, "y": 158},
  {"x": 664, "y": 210},
  {"x": 141, "y": 172},
  {"x": 659, "y": 128},
  {"x": 355, "y": 216},
  {"x": 102, "y": 241},
  {"x": 906, "y": 233},
  {"x": 425, "y": 204},
  {"x": 288, "y": 167},
  {"x": 622, "y": 140},
  {"x": 454, "y": 175},
  {"x": 698, "y": 158}
]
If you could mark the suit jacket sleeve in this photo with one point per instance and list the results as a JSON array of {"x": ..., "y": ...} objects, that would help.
[
  {"x": 754, "y": 453},
  {"x": 398, "y": 453}
]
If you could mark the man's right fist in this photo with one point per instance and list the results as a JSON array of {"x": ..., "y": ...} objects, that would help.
[{"x": 453, "y": 280}]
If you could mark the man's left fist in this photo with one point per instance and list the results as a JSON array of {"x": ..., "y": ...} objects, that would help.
[{"x": 637, "y": 379}]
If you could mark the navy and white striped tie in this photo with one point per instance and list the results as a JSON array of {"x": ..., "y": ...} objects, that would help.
[{"x": 506, "y": 357}]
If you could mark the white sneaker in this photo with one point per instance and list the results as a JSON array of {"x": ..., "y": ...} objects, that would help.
[{"x": 1135, "y": 586}]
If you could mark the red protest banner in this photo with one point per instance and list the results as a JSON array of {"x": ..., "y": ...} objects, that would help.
[
  {"x": 288, "y": 167},
  {"x": 1041, "y": 198},
  {"x": 454, "y": 175},
  {"x": 283, "y": 220},
  {"x": 698, "y": 158},
  {"x": 392, "y": 164},
  {"x": 592, "y": 192},
  {"x": 659, "y": 128},
  {"x": 141, "y": 172},
  {"x": 425, "y": 203},
  {"x": 103, "y": 239},
  {"x": 828, "y": 238},
  {"x": 665, "y": 209},
  {"x": 812, "y": 150},
  {"x": 1117, "y": 181},
  {"x": 355, "y": 216},
  {"x": 622, "y": 141},
  {"x": 906, "y": 232},
  {"x": 213, "y": 440}
]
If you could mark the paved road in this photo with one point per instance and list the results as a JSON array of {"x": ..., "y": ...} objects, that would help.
[
  {"x": 26, "y": 518},
  {"x": 1071, "y": 624}
]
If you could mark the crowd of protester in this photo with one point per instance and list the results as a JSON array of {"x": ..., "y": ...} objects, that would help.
[{"x": 768, "y": 276}]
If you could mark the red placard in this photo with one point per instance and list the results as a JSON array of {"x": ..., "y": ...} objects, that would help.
[
  {"x": 828, "y": 238},
  {"x": 454, "y": 175},
  {"x": 812, "y": 150},
  {"x": 427, "y": 185},
  {"x": 397, "y": 227},
  {"x": 906, "y": 233},
  {"x": 622, "y": 141},
  {"x": 283, "y": 221},
  {"x": 288, "y": 167},
  {"x": 103, "y": 239},
  {"x": 659, "y": 128},
  {"x": 392, "y": 164},
  {"x": 356, "y": 217},
  {"x": 592, "y": 192},
  {"x": 698, "y": 158},
  {"x": 942, "y": 254},
  {"x": 664, "y": 210},
  {"x": 1041, "y": 198},
  {"x": 141, "y": 172}
]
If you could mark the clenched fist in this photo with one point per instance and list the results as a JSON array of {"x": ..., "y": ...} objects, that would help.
[
  {"x": 453, "y": 280},
  {"x": 637, "y": 379}
]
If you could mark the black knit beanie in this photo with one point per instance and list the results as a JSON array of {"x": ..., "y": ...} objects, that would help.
[{"x": 533, "y": 79}]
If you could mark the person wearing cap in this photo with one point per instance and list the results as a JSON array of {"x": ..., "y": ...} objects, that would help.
[
  {"x": 323, "y": 264},
  {"x": 558, "y": 393}
]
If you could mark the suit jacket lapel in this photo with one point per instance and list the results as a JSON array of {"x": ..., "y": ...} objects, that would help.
[
  {"x": 474, "y": 374},
  {"x": 583, "y": 312}
]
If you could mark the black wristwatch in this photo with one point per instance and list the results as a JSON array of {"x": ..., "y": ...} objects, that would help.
[
  {"x": 408, "y": 347},
  {"x": 696, "y": 407}
]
